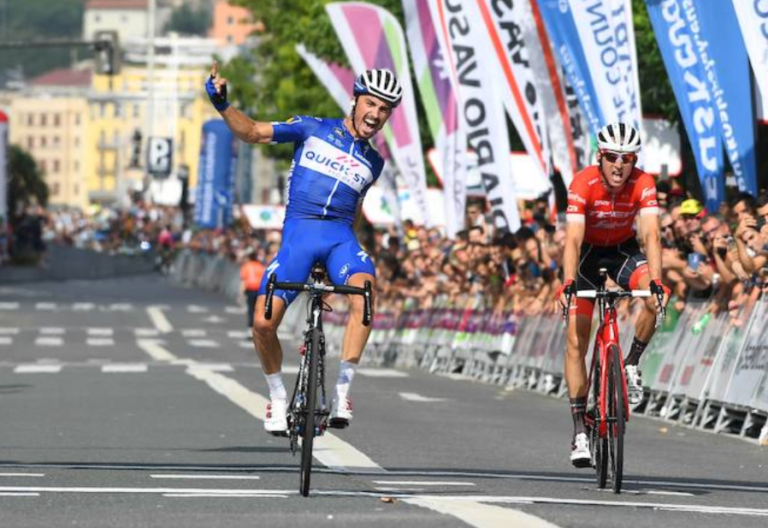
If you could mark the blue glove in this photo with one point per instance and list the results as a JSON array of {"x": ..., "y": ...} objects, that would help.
[{"x": 219, "y": 100}]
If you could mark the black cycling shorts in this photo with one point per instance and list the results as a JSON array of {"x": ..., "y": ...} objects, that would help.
[{"x": 620, "y": 261}]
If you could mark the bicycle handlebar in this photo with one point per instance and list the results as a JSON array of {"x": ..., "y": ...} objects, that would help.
[
  {"x": 661, "y": 314},
  {"x": 320, "y": 288}
]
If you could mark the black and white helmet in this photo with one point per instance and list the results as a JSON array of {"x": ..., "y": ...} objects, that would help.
[
  {"x": 618, "y": 137},
  {"x": 380, "y": 83}
]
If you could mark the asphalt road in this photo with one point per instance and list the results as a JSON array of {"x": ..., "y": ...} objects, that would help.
[{"x": 135, "y": 403}]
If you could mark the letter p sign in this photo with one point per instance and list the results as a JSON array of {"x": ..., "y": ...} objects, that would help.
[{"x": 159, "y": 156}]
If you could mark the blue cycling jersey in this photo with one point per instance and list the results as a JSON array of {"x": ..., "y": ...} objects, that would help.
[{"x": 330, "y": 172}]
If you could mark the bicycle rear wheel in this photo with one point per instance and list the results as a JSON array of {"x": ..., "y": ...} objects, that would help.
[
  {"x": 599, "y": 444},
  {"x": 308, "y": 435},
  {"x": 616, "y": 411}
]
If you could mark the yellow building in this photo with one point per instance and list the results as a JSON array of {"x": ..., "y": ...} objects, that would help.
[{"x": 50, "y": 121}]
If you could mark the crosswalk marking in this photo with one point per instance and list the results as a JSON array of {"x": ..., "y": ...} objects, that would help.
[
  {"x": 100, "y": 331},
  {"x": 381, "y": 373},
  {"x": 45, "y": 306},
  {"x": 124, "y": 367},
  {"x": 119, "y": 307},
  {"x": 193, "y": 308},
  {"x": 83, "y": 306},
  {"x": 418, "y": 398},
  {"x": 235, "y": 309},
  {"x": 52, "y": 331},
  {"x": 9, "y": 306},
  {"x": 193, "y": 332},
  {"x": 238, "y": 334},
  {"x": 203, "y": 343},
  {"x": 146, "y": 332},
  {"x": 100, "y": 341},
  {"x": 9, "y": 331},
  {"x": 214, "y": 367},
  {"x": 49, "y": 341},
  {"x": 37, "y": 369},
  {"x": 6, "y": 340}
]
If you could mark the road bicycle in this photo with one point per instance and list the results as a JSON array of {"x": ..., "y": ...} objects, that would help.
[
  {"x": 609, "y": 410},
  {"x": 308, "y": 413}
]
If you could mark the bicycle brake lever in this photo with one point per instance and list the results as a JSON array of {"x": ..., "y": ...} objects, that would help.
[
  {"x": 367, "y": 308},
  {"x": 270, "y": 293}
]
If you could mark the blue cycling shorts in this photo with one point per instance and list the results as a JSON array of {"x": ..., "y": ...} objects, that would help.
[{"x": 306, "y": 241}]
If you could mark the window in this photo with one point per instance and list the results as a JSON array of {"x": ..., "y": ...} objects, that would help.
[
  {"x": 56, "y": 166},
  {"x": 56, "y": 140},
  {"x": 43, "y": 120},
  {"x": 77, "y": 141},
  {"x": 55, "y": 189},
  {"x": 43, "y": 142},
  {"x": 76, "y": 189},
  {"x": 136, "y": 110},
  {"x": 43, "y": 166},
  {"x": 30, "y": 143},
  {"x": 230, "y": 20},
  {"x": 230, "y": 39},
  {"x": 118, "y": 110},
  {"x": 76, "y": 168},
  {"x": 102, "y": 109},
  {"x": 56, "y": 120},
  {"x": 30, "y": 120},
  {"x": 77, "y": 119}
]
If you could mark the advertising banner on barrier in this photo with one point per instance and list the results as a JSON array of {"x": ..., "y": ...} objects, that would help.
[
  {"x": 703, "y": 343},
  {"x": 470, "y": 62},
  {"x": 753, "y": 360},
  {"x": 442, "y": 108},
  {"x": 665, "y": 351},
  {"x": 722, "y": 50},
  {"x": 677, "y": 33},
  {"x": 515, "y": 77},
  {"x": 565, "y": 38},
  {"x": 373, "y": 38},
  {"x": 215, "y": 191}
]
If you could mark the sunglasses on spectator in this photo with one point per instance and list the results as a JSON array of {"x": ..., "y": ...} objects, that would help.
[
  {"x": 613, "y": 157},
  {"x": 664, "y": 227}
]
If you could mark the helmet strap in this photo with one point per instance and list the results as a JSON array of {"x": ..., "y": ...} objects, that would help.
[{"x": 354, "y": 107}]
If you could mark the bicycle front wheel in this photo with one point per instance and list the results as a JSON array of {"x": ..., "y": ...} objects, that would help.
[
  {"x": 308, "y": 435},
  {"x": 598, "y": 442},
  {"x": 616, "y": 412}
]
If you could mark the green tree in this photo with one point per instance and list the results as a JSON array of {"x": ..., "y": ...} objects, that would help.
[
  {"x": 30, "y": 20},
  {"x": 188, "y": 20},
  {"x": 26, "y": 184}
]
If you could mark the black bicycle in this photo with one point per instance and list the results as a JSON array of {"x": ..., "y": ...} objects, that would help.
[{"x": 308, "y": 414}]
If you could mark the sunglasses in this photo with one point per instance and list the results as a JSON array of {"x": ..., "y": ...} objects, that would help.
[
  {"x": 613, "y": 157},
  {"x": 664, "y": 227}
]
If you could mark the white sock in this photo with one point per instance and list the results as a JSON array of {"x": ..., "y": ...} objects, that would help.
[
  {"x": 276, "y": 387},
  {"x": 346, "y": 375}
]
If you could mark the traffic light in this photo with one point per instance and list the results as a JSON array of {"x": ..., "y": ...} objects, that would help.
[{"x": 107, "y": 52}]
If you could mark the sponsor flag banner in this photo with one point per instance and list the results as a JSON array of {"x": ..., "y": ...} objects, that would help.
[
  {"x": 724, "y": 55},
  {"x": 753, "y": 20},
  {"x": 3, "y": 175},
  {"x": 607, "y": 35},
  {"x": 442, "y": 108},
  {"x": 373, "y": 38},
  {"x": 470, "y": 60},
  {"x": 677, "y": 33},
  {"x": 216, "y": 175},
  {"x": 500, "y": 21},
  {"x": 565, "y": 39}
]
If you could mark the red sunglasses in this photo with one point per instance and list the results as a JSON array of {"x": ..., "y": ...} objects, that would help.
[{"x": 612, "y": 157}]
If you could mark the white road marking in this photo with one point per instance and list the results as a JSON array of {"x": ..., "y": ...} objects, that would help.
[
  {"x": 213, "y": 367},
  {"x": 158, "y": 319},
  {"x": 100, "y": 341},
  {"x": 214, "y": 319},
  {"x": 398, "y": 490},
  {"x": 83, "y": 306},
  {"x": 207, "y": 477},
  {"x": 422, "y": 483},
  {"x": 49, "y": 341},
  {"x": 155, "y": 351},
  {"x": 235, "y": 309},
  {"x": 193, "y": 308},
  {"x": 45, "y": 306},
  {"x": 203, "y": 343},
  {"x": 100, "y": 331},
  {"x": 22, "y": 475},
  {"x": 52, "y": 330},
  {"x": 195, "y": 491},
  {"x": 246, "y": 344},
  {"x": 224, "y": 496},
  {"x": 146, "y": 332},
  {"x": 238, "y": 334},
  {"x": 10, "y": 330},
  {"x": 9, "y": 306},
  {"x": 381, "y": 373},
  {"x": 12, "y": 494},
  {"x": 119, "y": 307},
  {"x": 124, "y": 367},
  {"x": 193, "y": 332},
  {"x": 37, "y": 369},
  {"x": 290, "y": 369},
  {"x": 330, "y": 450},
  {"x": 481, "y": 515},
  {"x": 413, "y": 397},
  {"x": 6, "y": 340}
]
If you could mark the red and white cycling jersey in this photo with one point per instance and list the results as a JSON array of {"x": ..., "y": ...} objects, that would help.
[{"x": 610, "y": 218}]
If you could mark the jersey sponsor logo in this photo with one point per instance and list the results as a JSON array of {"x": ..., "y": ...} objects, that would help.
[
  {"x": 593, "y": 181},
  {"x": 611, "y": 214},
  {"x": 294, "y": 119},
  {"x": 272, "y": 267},
  {"x": 323, "y": 158},
  {"x": 599, "y": 203},
  {"x": 339, "y": 132},
  {"x": 648, "y": 192},
  {"x": 363, "y": 255},
  {"x": 576, "y": 198},
  {"x": 652, "y": 203},
  {"x": 344, "y": 269},
  {"x": 572, "y": 209}
]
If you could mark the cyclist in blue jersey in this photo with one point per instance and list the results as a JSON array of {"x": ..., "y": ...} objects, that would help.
[{"x": 333, "y": 167}]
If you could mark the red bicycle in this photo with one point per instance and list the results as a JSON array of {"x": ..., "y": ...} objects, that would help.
[{"x": 609, "y": 412}]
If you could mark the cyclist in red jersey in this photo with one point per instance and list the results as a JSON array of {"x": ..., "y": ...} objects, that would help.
[{"x": 603, "y": 202}]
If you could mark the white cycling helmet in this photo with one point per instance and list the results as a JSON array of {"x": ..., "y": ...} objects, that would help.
[
  {"x": 618, "y": 137},
  {"x": 380, "y": 83}
]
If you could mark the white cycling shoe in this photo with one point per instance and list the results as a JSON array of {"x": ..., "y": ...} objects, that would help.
[
  {"x": 341, "y": 413},
  {"x": 581, "y": 455},
  {"x": 634, "y": 384},
  {"x": 276, "y": 422}
]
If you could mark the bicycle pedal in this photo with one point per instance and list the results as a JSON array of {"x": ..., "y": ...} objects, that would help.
[{"x": 338, "y": 423}]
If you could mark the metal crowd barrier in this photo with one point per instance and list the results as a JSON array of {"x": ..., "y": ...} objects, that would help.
[{"x": 700, "y": 370}]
